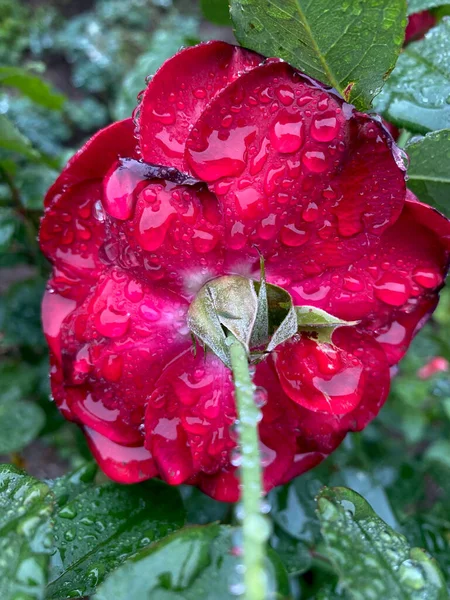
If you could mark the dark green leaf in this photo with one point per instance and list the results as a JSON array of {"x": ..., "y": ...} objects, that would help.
[
  {"x": 350, "y": 45},
  {"x": 415, "y": 6},
  {"x": 9, "y": 224},
  {"x": 20, "y": 420},
  {"x": 21, "y": 319},
  {"x": 96, "y": 529},
  {"x": 32, "y": 86},
  {"x": 20, "y": 424},
  {"x": 293, "y": 508},
  {"x": 69, "y": 486},
  {"x": 12, "y": 139},
  {"x": 416, "y": 94},
  {"x": 429, "y": 169},
  {"x": 193, "y": 563},
  {"x": 174, "y": 32},
  {"x": 25, "y": 535},
  {"x": 371, "y": 559},
  {"x": 201, "y": 509},
  {"x": 294, "y": 554},
  {"x": 216, "y": 11}
]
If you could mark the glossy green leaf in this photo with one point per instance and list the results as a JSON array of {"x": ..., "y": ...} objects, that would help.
[
  {"x": 32, "y": 86},
  {"x": 429, "y": 169},
  {"x": 25, "y": 535},
  {"x": 96, "y": 529},
  {"x": 12, "y": 139},
  {"x": 416, "y": 95},
  {"x": 415, "y": 6},
  {"x": 193, "y": 563},
  {"x": 293, "y": 508},
  {"x": 317, "y": 321},
  {"x": 351, "y": 45},
  {"x": 371, "y": 559},
  {"x": 216, "y": 11}
]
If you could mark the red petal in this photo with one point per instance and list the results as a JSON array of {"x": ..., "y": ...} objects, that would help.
[
  {"x": 188, "y": 417},
  {"x": 394, "y": 287},
  {"x": 223, "y": 486},
  {"x": 293, "y": 164},
  {"x": 113, "y": 346},
  {"x": 94, "y": 159},
  {"x": 418, "y": 24},
  {"x": 178, "y": 93},
  {"x": 173, "y": 239},
  {"x": 321, "y": 377},
  {"x": 322, "y": 432},
  {"x": 72, "y": 228},
  {"x": 120, "y": 463}
]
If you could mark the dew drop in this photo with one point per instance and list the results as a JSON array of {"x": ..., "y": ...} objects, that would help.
[{"x": 287, "y": 133}]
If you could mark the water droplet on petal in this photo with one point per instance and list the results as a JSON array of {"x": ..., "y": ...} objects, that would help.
[
  {"x": 427, "y": 278},
  {"x": 286, "y": 134},
  {"x": 392, "y": 289},
  {"x": 325, "y": 127}
]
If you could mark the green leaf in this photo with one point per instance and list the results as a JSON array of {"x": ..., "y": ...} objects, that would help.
[
  {"x": 20, "y": 420},
  {"x": 20, "y": 424},
  {"x": 12, "y": 139},
  {"x": 175, "y": 31},
  {"x": 317, "y": 321},
  {"x": 351, "y": 45},
  {"x": 97, "y": 528},
  {"x": 25, "y": 535},
  {"x": 32, "y": 86},
  {"x": 9, "y": 224},
  {"x": 371, "y": 559},
  {"x": 416, "y": 94},
  {"x": 216, "y": 11},
  {"x": 21, "y": 319},
  {"x": 193, "y": 563},
  {"x": 415, "y": 6},
  {"x": 429, "y": 169}
]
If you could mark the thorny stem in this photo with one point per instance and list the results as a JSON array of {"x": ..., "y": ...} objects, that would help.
[{"x": 254, "y": 550}]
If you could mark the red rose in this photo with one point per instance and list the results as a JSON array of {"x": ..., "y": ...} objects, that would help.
[
  {"x": 229, "y": 157},
  {"x": 418, "y": 25}
]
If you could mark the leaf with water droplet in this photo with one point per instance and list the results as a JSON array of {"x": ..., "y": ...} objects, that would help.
[
  {"x": 351, "y": 46},
  {"x": 429, "y": 169},
  {"x": 417, "y": 94},
  {"x": 371, "y": 559},
  {"x": 318, "y": 322},
  {"x": 196, "y": 562},
  {"x": 97, "y": 527},
  {"x": 25, "y": 535}
]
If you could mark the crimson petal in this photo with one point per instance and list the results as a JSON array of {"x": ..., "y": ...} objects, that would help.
[
  {"x": 300, "y": 174},
  {"x": 178, "y": 93}
]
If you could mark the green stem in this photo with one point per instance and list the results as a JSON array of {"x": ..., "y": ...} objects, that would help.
[
  {"x": 254, "y": 525},
  {"x": 403, "y": 138}
]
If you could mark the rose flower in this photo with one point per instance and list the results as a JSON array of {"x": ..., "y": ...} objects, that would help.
[{"x": 231, "y": 159}]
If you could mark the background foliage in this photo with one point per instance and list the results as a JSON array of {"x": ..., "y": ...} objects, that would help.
[{"x": 67, "y": 69}]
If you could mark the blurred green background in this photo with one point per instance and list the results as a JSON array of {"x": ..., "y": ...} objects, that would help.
[{"x": 68, "y": 68}]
